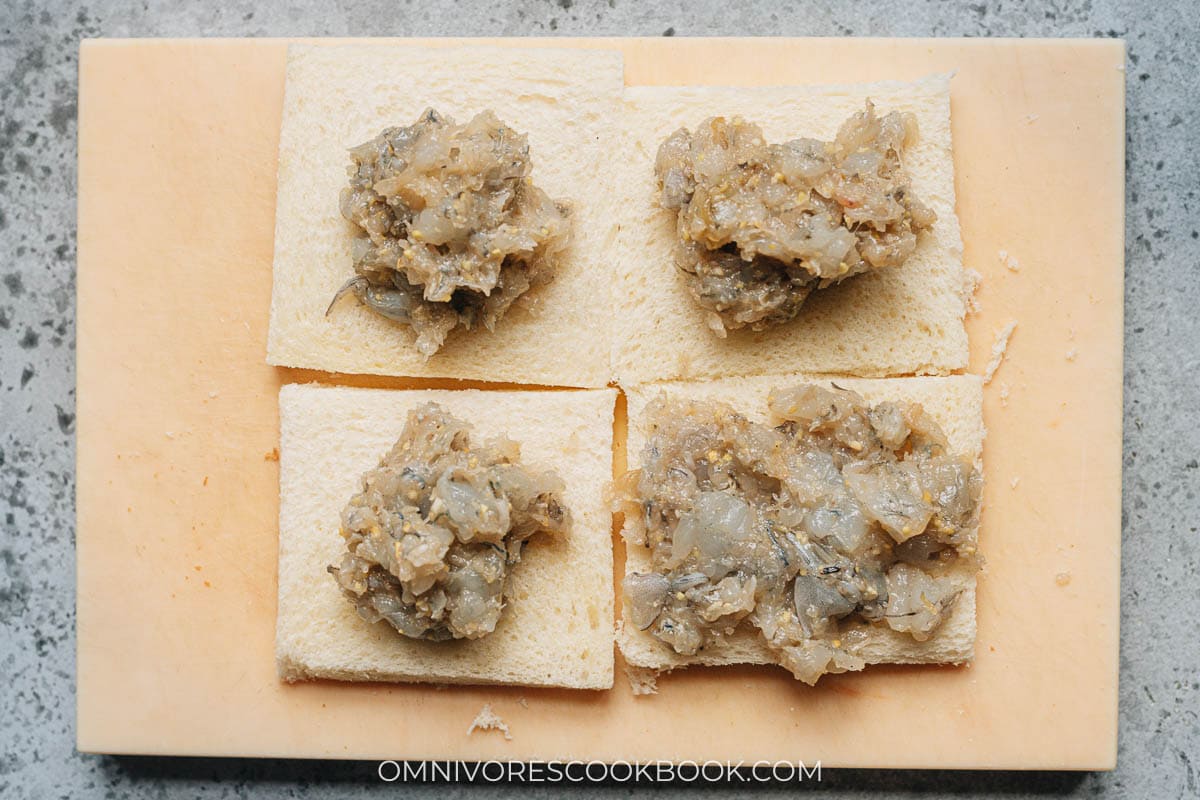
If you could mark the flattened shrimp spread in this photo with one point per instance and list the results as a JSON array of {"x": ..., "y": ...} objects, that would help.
[{"x": 840, "y": 517}]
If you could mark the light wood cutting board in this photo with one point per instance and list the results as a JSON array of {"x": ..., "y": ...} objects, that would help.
[{"x": 178, "y": 428}]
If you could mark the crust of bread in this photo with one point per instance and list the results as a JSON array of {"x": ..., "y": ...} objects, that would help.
[
  {"x": 336, "y": 97},
  {"x": 557, "y": 628},
  {"x": 902, "y": 321},
  {"x": 955, "y": 402}
]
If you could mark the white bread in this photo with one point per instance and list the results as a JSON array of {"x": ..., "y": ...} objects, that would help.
[
  {"x": 907, "y": 320},
  {"x": 557, "y": 628},
  {"x": 955, "y": 402},
  {"x": 336, "y": 97}
]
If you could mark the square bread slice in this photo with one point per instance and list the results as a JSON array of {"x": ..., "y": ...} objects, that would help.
[
  {"x": 902, "y": 321},
  {"x": 955, "y": 402},
  {"x": 557, "y": 627},
  {"x": 337, "y": 97}
]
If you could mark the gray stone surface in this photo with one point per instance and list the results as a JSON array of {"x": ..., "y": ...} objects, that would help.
[{"x": 1160, "y": 693}]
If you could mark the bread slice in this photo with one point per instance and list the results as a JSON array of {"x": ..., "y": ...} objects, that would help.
[
  {"x": 557, "y": 628},
  {"x": 907, "y": 320},
  {"x": 955, "y": 402},
  {"x": 340, "y": 96}
]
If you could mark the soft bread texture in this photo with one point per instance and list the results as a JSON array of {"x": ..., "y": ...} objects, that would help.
[
  {"x": 955, "y": 402},
  {"x": 557, "y": 626},
  {"x": 336, "y": 97},
  {"x": 899, "y": 321}
]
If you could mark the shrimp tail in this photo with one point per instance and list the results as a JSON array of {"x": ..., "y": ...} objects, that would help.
[{"x": 355, "y": 285}]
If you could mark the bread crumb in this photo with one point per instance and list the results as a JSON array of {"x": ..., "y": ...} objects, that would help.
[
  {"x": 1062, "y": 578},
  {"x": 1014, "y": 482},
  {"x": 488, "y": 720},
  {"x": 1072, "y": 354},
  {"x": 642, "y": 681},
  {"x": 212, "y": 395},
  {"x": 998, "y": 349},
  {"x": 971, "y": 280},
  {"x": 169, "y": 434},
  {"x": 521, "y": 701},
  {"x": 1009, "y": 261},
  {"x": 1031, "y": 118},
  {"x": 1004, "y": 395},
  {"x": 272, "y": 456}
]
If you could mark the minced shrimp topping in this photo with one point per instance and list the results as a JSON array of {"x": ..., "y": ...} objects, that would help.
[
  {"x": 450, "y": 228},
  {"x": 840, "y": 518},
  {"x": 760, "y": 226},
  {"x": 438, "y": 526}
]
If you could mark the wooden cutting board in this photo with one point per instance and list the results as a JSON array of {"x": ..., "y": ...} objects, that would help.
[{"x": 178, "y": 428}]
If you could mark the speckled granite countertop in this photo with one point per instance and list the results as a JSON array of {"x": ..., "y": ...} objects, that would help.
[{"x": 1160, "y": 660}]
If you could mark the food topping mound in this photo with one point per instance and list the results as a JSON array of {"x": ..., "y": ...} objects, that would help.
[
  {"x": 760, "y": 226},
  {"x": 451, "y": 229},
  {"x": 438, "y": 526},
  {"x": 840, "y": 518}
]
